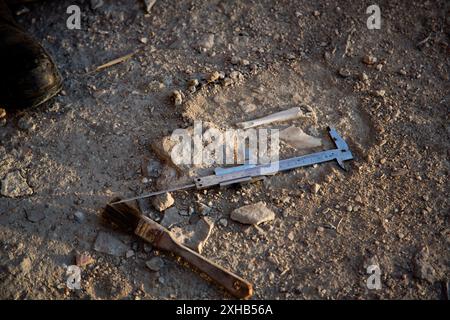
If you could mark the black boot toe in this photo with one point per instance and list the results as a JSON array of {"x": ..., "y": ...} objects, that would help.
[{"x": 28, "y": 76}]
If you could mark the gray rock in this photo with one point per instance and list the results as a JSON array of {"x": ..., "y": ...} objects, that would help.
[
  {"x": 152, "y": 169},
  {"x": 35, "y": 215},
  {"x": 129, "y": 254},
  {"x": 194, "y": 236},
  {"x": 155, "y": 264},
  {"x": 79, "y": 216},
  {"x": 203, "y": 209},
  {"x": 163, "y": 201},
  {"x": 253, "y": 214},
  {"x": 206, "y": 42},
  {"x": 106, "y": 243},
  {"x": 172, "y": 218},
  {"x": 26, "y": 124},
  {"x": 223, "y": 222},
  {"x": 14, "y": 185},
  {"x": 147, "y": 248}
]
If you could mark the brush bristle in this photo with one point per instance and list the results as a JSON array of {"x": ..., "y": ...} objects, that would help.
[{"x": 122, "y": 215}]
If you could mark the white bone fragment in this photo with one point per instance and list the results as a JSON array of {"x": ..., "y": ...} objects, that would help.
[
  {"x": 149, "y": 5},
  {"x": 298, "y": 139},
  {"x": 290, "y": 114}
]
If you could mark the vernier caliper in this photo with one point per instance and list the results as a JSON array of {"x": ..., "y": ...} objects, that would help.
[{"x": 250, "y": 172}]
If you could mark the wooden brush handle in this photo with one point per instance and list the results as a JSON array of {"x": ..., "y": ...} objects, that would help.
[
  {"x": 162, "y": 239},
  {"x": 234, "y": 284}
]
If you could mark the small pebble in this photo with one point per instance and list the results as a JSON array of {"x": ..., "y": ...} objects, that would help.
[
  {"x": 380, "y": 93},
  {"x": 193, "y": 82},
  {"x": 192, "y": 85},
  {"x": 203, "y": 209},
  {"x": 345, "y": 73},
  {"x": 369, "y": 59},
  {"x": 207, "y": 42},
  {"x": 163, "y": 201},
  {"x": 315, "y": 188},
  {"x": 79, "y": 216},
  {"x": 223, "y": 222},
  {"x": 26, "y": 124},
  {"x": 244, "y": 62},
  {"x": 177, "y": 97},
  {"x": 364, "y": 77},
  {"x": 236, "y": 75},
  {"x": 82, "y": 260},
  {"x": 184, "y": 213},
  {"x": 214, "y": 76},
  {"x": 227, "y": 82},
  {"x": 235, "y": 60},
  {"x": 129, "y": 254},
  {"x": 155, "y": 264}
]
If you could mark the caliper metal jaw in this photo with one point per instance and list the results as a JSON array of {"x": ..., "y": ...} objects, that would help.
[
  {"x": 249, "y": 172},
  {"x": 344, "y": 151}
]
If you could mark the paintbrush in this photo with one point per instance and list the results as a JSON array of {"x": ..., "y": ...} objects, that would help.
[{"x": 130, "y": 219}]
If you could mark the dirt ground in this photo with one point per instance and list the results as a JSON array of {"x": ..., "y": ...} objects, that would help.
[{"x": 89, "y": 144}]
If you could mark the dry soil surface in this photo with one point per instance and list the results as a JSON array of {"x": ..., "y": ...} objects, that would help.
[{"x": 386, "y": 92}]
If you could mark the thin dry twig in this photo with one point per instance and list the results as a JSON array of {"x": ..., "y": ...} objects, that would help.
[
  {"x": 348, "y": 42},
  {"x": 114, "y": 62},
  {"x": 424, "y": 40}
]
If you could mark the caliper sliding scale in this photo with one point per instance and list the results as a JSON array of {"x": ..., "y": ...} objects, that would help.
[{"x": 250, "y": 172}]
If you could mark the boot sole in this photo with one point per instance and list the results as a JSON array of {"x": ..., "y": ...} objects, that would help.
[{"x": 47, "y": 95}]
